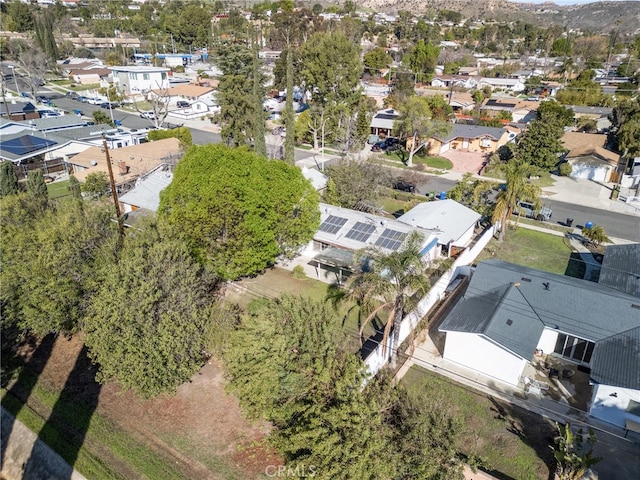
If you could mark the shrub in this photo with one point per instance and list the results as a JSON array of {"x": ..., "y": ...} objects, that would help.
[
  {"x": 298, "y": 272},
  {"x": 565, "y": 169}
]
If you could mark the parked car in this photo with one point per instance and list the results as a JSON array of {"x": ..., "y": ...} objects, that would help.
[
  {"x": 386, "y": 144},
  {"x": 82, "y": 98},
  {"x": 42, "y": 99},
  {"x": 528, "y": 209},
  {"x": 109, "y": 105},
  {"x": 94, "y": 100},
  {"x": 183, "y": 104},
  {"x": 49, "y": 114},
  {"x": 148, "y": 114},
  {"x": 404, "y": 186},
  {"x": 71, "y": 95}
]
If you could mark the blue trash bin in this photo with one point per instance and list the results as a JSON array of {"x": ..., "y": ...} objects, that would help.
[
  {"x": 588, "y": 225},
  {"x": 442, "y": 196}
]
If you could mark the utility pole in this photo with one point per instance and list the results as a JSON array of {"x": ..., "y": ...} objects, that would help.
[{"x": 114, "y": 193}]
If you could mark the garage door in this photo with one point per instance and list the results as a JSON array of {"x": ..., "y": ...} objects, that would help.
[
  {"x": 445, "y": 147},
  {"x": 598, "y": 174}
]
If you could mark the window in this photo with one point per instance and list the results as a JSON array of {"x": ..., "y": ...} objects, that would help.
[
  {"x": 574, "y": 348},
  {"x": 164, "y": 75},
  {"x": 145, "y": 76},
  {"x": 133, "y": 76}
]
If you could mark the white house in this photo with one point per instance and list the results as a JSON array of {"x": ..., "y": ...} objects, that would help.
[
  {"x": 133, "y": 80},
  {"x": 511, "y": 314},
  {"x": 383, "y": 121},
  {"x": 343, "y": 232},
  {"x": 451, "y": 222},
  {"x": 511, "y": 84}
]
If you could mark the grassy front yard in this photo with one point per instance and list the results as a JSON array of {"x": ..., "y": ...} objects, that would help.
[
  {"x": 532, "y": 249},
  {"x": 510, "y": 442}
]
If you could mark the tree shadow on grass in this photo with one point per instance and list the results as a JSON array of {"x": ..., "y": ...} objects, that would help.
[
  {"x": 532, "y": 429},
  {"x": 66, "y": 428},
  {"x": 26, "y": 371}
]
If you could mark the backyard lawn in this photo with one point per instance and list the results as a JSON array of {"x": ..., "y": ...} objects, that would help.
[
  {"x": 510, "y": 442},
  {"x": 534, "y": 249},
  {"x": 58, "y": 189},
  {"x": 273, "y": 283}
]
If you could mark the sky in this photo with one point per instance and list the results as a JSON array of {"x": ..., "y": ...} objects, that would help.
[{"x": 565, "y": 2}]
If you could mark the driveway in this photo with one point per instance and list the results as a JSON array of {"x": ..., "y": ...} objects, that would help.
[{"x": 465, "y": 162}]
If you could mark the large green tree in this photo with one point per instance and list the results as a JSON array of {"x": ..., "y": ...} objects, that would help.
[
  {"x": 240, "y": 112},
  {"x": 147, "y": 324},
  {"x": 37, "y": 188},
  {"x": 377, "y": 59},
  {"x": 51, "y": 261},
  {"x": 289, "y": 365},
  {"x": 357, "y": 185},
  {"x": 540, "y": 144},
  {"x": 332, "y": 69},
  {"x": 423, "y": 59},
  {"x": 416, "y": 124},
  {"x": 239, "y": 211}
]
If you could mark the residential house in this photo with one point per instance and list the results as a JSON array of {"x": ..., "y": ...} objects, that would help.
[
  {"x": 89, "y": 76},
  {"x": 521, "y": 111},
  {"x": 588, "y": 157},
  {"x": 200, "y": 98},
  {"x": 621, "y": 268},
  {"x": 383, "y": 122},
  {"x": 129, "y": 163},
  {"x": 343, "y": 232},
  {"x": 145, "y": 193},
  {"x": 100, "y": 43},
  {"x": 18, "y": 111},
  {"x": 470, "y": 138},
  {"x": 452, "y": 223},
  {"x": 508, "y": 84},
  {"x": 133, "y": 80},
  {"x": 31, "y": 150},
  {"x": 468, "y": 71},
  {"x": 513, "y": 319},
  {"x": 461, "y": 102},
  {"x": 601, "y": 115},
  {"x": 451, "y": 81}
]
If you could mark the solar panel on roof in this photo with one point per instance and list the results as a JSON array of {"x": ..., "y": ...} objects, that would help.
[
  {"x": 390, "y": 239},
  {"x": 25, "y": 144},
  {"x": 361, "y": 231},
  {"x": 332, "y": 224}
]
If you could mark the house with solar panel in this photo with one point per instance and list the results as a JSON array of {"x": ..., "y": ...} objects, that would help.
[
  {"x": 343, "y": 232},
  {"x": 550, "y": 337},
  {"x": 383, "y": 122},
  {"x": 30, "y": 150}
]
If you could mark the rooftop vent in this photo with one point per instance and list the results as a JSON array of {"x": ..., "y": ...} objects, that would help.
[
  {"x": 546, "y": 285},
  {"x": 509, "y": 321},
  {"x": 525, "y": 279},
  {"x": 635, "y": 305}
]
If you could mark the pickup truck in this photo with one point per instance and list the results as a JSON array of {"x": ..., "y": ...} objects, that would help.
[{"x": 528, "y": 209}]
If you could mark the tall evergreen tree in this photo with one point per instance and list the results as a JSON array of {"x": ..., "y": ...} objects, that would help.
[
  {"x": 289, "y": 117},
  {"x": 74, "y": 187},
  {"x": 8, "y": 179},
  {"x": 258, "y": 130},
  {"x": 37, "y": 188}
]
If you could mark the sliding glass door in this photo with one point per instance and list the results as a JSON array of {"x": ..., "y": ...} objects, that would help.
[{"x": 573, "y": 348}]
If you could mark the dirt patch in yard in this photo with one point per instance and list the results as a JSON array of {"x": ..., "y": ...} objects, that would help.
[{"x": 200, "y": 428}]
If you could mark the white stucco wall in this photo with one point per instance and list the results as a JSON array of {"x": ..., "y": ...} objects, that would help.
[
  {"x": 477, "y": 353},
  {"x": 547, "y": 342},
  {"x": 610, "y": 408},
  {"x": 466, "y": 237}
]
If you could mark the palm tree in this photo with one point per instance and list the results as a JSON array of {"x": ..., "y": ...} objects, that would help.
[
  {"x": 596, "y": 235},
  {"x": 395, "y": 281},
  {"x": 517, "y": 187}
]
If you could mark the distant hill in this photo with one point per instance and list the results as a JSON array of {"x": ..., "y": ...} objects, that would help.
[{"x": 599, "y": 17}]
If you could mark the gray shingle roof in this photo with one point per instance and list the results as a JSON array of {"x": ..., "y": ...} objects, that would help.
[
  {"x": 616, "y": 360},
  {"x": 534, "y": 299},
  {"x": 621, "y": 268},
  {"x": 495, "y": 315}
]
